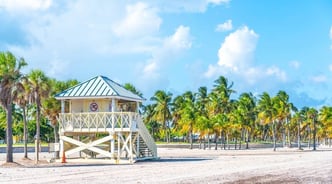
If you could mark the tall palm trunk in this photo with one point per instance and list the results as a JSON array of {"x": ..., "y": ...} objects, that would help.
[
  {"x": 224, "y": 140},
  {"x": 247, "y": 139},
  {"x": 227, "y": 140},
  {"x": 191, "y": 137},
  {"x": 299, "y": 136},
  {"x": 289, "y": 138},
  {"x": 314, "y": 135},
  {"x": 309, "y": 137},
  {"x": 216, "y": 141},
  {"x": 209, "y": 145},
  {"x": 9, "y": 134},
  {"x": 283, "y": 136},
  {"x": 25, "y": 133},
  {"x": 37, "y": 141},
  {"x": 274, "y": 136},
  {"x": 56, "y": 140}
]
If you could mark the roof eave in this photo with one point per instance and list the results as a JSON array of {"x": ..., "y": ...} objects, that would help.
[{"x": 99, "y": 97}]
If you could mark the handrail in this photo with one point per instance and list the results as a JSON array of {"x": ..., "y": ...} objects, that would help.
[
  {"x": 107, "y": 121},
  {"x": 97, "y": 120},
  {"x": 149, "y": 141}
]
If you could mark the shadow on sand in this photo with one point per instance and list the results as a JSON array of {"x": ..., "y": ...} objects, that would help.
[{"x": 177, "y": 160}]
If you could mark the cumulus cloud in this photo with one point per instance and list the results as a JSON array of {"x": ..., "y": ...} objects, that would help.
[
  {"x": 238, "y": 48},
  {"x": 226, "y": 26},
  {"x": 181, "y": 39},
  {"x": 236, "y": 59},
  {"x": 172, "y": 46},
  {"x": 140, "y": 19},
  {"x": 25, "y": 5},
  {"x": 235, "y": 53}
]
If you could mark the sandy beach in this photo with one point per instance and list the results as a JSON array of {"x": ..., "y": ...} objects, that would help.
[{"x": 179, "y": 165}]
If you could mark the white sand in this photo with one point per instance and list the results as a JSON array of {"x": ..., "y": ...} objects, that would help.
[{"x": 185, "y": 166}]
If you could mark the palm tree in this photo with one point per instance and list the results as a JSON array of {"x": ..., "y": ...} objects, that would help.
[
  {"x": 40, "y": 89},
  {"x": 267, "y": 114},
  {"x": 236, "y": 120},
  {"x": 10, "y": 83},
  {"x": 247, "y": 109},
  {"x": 162, "y": 110},
  {"x": 22, "y": 100},
  {"x": 325, "y": 117},
  {"x": 283, "y": 107},
  {"x": 152, "y": 125},
  {"x": 312, "y": 115},
  {"x": 52, "y": 107},
  {"x": 297, "y": 118},
  {"x": 220, "y": 97},
  {"x": 202, "y": 100},
  {"x": 177, "y": 113},
  {"x": 223, "y": 88},
  {"x": 189, "y": 115},
  {"x": 133, "y": 89}
]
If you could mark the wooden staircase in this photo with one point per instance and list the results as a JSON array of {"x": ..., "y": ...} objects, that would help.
[
  {"x": 147, "y": 146},
  {"x": 127, "y": 139}
]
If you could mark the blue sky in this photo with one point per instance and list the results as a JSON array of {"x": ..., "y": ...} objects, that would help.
[{"x": 179, "y": 45}]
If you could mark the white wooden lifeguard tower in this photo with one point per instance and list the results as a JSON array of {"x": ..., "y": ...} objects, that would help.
[{"x": 102, "y": 121}]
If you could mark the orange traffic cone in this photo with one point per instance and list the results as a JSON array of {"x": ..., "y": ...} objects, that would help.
[{"x": 63, "y": 160}]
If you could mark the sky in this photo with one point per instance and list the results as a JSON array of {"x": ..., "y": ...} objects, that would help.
[{"x": 178, "y": 45}]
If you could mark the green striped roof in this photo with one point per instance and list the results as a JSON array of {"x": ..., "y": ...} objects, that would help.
[{"x": 98, "y": 87}]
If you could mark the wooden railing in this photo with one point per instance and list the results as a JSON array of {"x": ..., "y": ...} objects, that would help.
[
  {"x": 149, "y": 141},
  {"x": 98, "y": 121}
]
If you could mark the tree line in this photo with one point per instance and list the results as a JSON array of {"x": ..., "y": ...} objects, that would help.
[
  {"x": 213, "y": 115},
  {"x": 29, "y": 111},
  {"x": 27, "y": 104}
]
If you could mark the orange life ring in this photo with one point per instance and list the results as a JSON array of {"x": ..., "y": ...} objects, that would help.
[{"x": 93, "y": 106}]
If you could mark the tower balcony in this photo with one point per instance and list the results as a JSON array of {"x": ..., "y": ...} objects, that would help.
[{"x": 98, "y": 122}]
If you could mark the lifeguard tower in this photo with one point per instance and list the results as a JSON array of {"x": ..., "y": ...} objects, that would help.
[{"x": 102, "y": 121}]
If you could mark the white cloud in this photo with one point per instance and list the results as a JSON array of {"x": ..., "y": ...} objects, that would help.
[
  {"x": 188, "y": 6},
  {"x": 275, "y": 71},
  {"x": 217, "y": 1},
  {"x": 172, "y": 46},
  {"x": 319, "y": 78},
  {"x": 295, "y": 64},
  {"x": 181, "y": 39},
  {"x": 238, "y": 49},
  {"x": 150, "y": 68},
  {"x": 25, "y": 5},
  {"x": 140, "y": 20},
  {"x": 235, "y": 53},
  {"x": 236, "y": 56},
  {"x": 226, "y": 26}
]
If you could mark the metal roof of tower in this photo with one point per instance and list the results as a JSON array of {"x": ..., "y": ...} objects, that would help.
[{"x": 98, "y": 87}]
